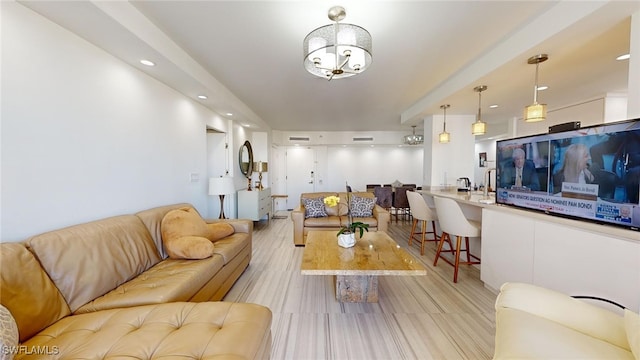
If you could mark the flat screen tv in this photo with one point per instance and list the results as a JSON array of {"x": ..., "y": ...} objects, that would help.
[{"x": 589, "y": 174}]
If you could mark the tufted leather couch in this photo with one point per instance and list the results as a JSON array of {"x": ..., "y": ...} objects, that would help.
[
  {"x": 106, "y": 289},
  {"x": 301, "y": 226}
]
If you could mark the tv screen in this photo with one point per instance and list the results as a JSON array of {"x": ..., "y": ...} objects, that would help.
[{"x": 592, "y": 173}]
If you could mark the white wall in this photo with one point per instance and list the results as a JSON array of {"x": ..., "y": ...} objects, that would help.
[
  {"x": 362, "y": 165},
  {"x": 452, "y": 160},
  {"x": 86, "y": 136}
]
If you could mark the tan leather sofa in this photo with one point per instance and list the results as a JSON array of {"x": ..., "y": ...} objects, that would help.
[
  {"x": 106, "y": 289},
  {"x": 538, "y": 323},
  {"x": 301, "y": 226}
]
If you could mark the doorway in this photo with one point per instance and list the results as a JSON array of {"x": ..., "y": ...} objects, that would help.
[{"x": 300, "y": 173}]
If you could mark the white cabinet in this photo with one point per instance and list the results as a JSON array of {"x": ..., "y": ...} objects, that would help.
[
  {"x": 569, "y": 256},
  {"x": 254, "y": 204}
]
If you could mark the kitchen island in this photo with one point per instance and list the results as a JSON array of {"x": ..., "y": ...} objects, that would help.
[{"x": 572, "y": 256}]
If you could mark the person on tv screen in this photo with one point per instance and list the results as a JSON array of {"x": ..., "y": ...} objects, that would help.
[
  {"x": 521, "y": 174},
  {"x": 575, "y": 168}
]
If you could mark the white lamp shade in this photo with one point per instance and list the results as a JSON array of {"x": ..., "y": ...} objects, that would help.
[
  {"x": 443, "y": 137},
  {"x": 221, "y": 186}
]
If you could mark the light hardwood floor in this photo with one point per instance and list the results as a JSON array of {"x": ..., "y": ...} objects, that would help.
[{"x": 417, "y": 317}]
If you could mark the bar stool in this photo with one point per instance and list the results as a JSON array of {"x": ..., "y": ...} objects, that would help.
[
  {"x": 453, "y": 222},
  {"x": 421, "y": 212}
]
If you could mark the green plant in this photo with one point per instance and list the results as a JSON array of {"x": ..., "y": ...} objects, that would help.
[{"x": 351, "y": 226}]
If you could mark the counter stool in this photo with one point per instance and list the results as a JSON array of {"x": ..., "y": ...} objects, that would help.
[
  {"x": 453, "y": 222},
  {"x": 421, "y": 212}
]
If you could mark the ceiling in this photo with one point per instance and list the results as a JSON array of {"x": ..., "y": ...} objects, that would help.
[{"x": 246, "y": 56}]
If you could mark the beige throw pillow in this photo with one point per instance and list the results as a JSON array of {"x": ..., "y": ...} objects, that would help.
[{"x": 185, "y": 235}]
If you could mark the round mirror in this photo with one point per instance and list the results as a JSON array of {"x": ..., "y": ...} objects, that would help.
[{"x": 245, "y": 159}]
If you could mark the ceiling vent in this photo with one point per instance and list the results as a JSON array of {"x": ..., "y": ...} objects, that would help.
[
  {"x": 363, "y": 138},
  {"x": 298, "y": 138}
]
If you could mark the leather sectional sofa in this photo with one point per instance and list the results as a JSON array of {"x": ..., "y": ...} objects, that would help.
[
  {"x": 106, "y": 289},
  {"x": 379, "y": 221}
]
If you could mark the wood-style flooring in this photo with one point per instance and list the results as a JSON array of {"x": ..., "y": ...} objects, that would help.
[{"x": 417, "y": 317}]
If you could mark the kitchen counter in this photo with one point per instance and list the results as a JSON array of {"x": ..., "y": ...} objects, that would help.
[{"x": 475, "y": 198}]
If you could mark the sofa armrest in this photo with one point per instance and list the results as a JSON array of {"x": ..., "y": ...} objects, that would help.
[
  {"x": 297, "y": 216},
  {"x": 382, "y": 216},
  {"x": 239, "y": 225},
  {"x": 563, "y": 309}
]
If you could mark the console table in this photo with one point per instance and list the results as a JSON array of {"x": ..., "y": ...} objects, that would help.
[{"x": 254, "y": 204}]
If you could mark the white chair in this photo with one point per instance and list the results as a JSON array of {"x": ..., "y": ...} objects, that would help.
[
  {"x": 453, "y": 222},
  {"x": 421, "y": 212}
]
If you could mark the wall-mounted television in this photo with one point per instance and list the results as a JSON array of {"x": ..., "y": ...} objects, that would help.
[{"x": 591, "y": 174}]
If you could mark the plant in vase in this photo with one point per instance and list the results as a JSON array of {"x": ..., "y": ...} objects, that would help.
[{"x": 346, "y": 234}]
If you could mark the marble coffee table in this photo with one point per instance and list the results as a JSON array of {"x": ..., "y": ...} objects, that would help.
[{"x": 357, "y": 268}]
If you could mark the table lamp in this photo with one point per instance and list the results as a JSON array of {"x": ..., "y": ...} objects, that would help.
[
  {"x": 260, "y": 167},
  {"x": 221, "y": 186}
]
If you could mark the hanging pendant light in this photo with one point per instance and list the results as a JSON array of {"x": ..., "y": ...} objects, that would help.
[
  {"x": 536, "y": 112},
  {"x": 413, "y": 139},
  {"x": 479, "y": 127},
  {"x": 444, "y": 135},
  {"x": 338, "y": 50}
]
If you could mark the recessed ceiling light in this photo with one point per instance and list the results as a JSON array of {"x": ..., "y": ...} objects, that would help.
[
  {"x": 493, "y": 106},
  {"x": 147, "y": 62},
  {"x": 203, "y": 97},
  {"x": 542, "y": 87},
  {"x": 229, "y": 114},
  {"x": 623, "y": 57}
]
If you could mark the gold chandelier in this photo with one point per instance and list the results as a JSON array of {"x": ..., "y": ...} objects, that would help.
[
  {"x": 337, "y": 51},
  {"x": 536, "y": 112}
]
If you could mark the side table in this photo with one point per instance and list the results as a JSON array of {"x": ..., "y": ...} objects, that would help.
[{"x": 275, "y": 212}]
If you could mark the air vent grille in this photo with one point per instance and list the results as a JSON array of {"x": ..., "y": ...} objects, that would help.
[
  {"x": 363, "y": 138},
  {"x": 298, "y": 138}
]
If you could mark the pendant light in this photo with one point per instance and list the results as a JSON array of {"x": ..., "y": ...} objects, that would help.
[
  {"x": 413, "y": 139},
  {"x": 479, "y": 127},
  {"x": 444, "y": 135},
  {"x": 536, "y": 112}
]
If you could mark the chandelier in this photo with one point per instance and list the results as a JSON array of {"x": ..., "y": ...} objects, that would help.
[
  {"x": 444, "y": 136},
  {"x": 337, "y": 51},
  {"x": 479, "y": 127},
  {"x": 536, "y": 112},
  {"x": 413, "y": 139}
]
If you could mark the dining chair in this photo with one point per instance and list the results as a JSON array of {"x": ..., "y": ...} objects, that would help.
[
  {"x": 384, "y": 196},
  {"x": 401, "y": 203},
  {"x": 421, "y": 212},
  {"x": 453, "y": 222}
]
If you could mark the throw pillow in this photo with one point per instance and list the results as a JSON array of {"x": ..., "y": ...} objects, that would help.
[
  {"x": 8, "y": 333},
  {"x": 314, "y": 207},
  {"x": 362, "y": 206},
  {"x": 185, "y": 234},
  {"x": 220, "y": 230},
  {"x": 632, "y": 326}
]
